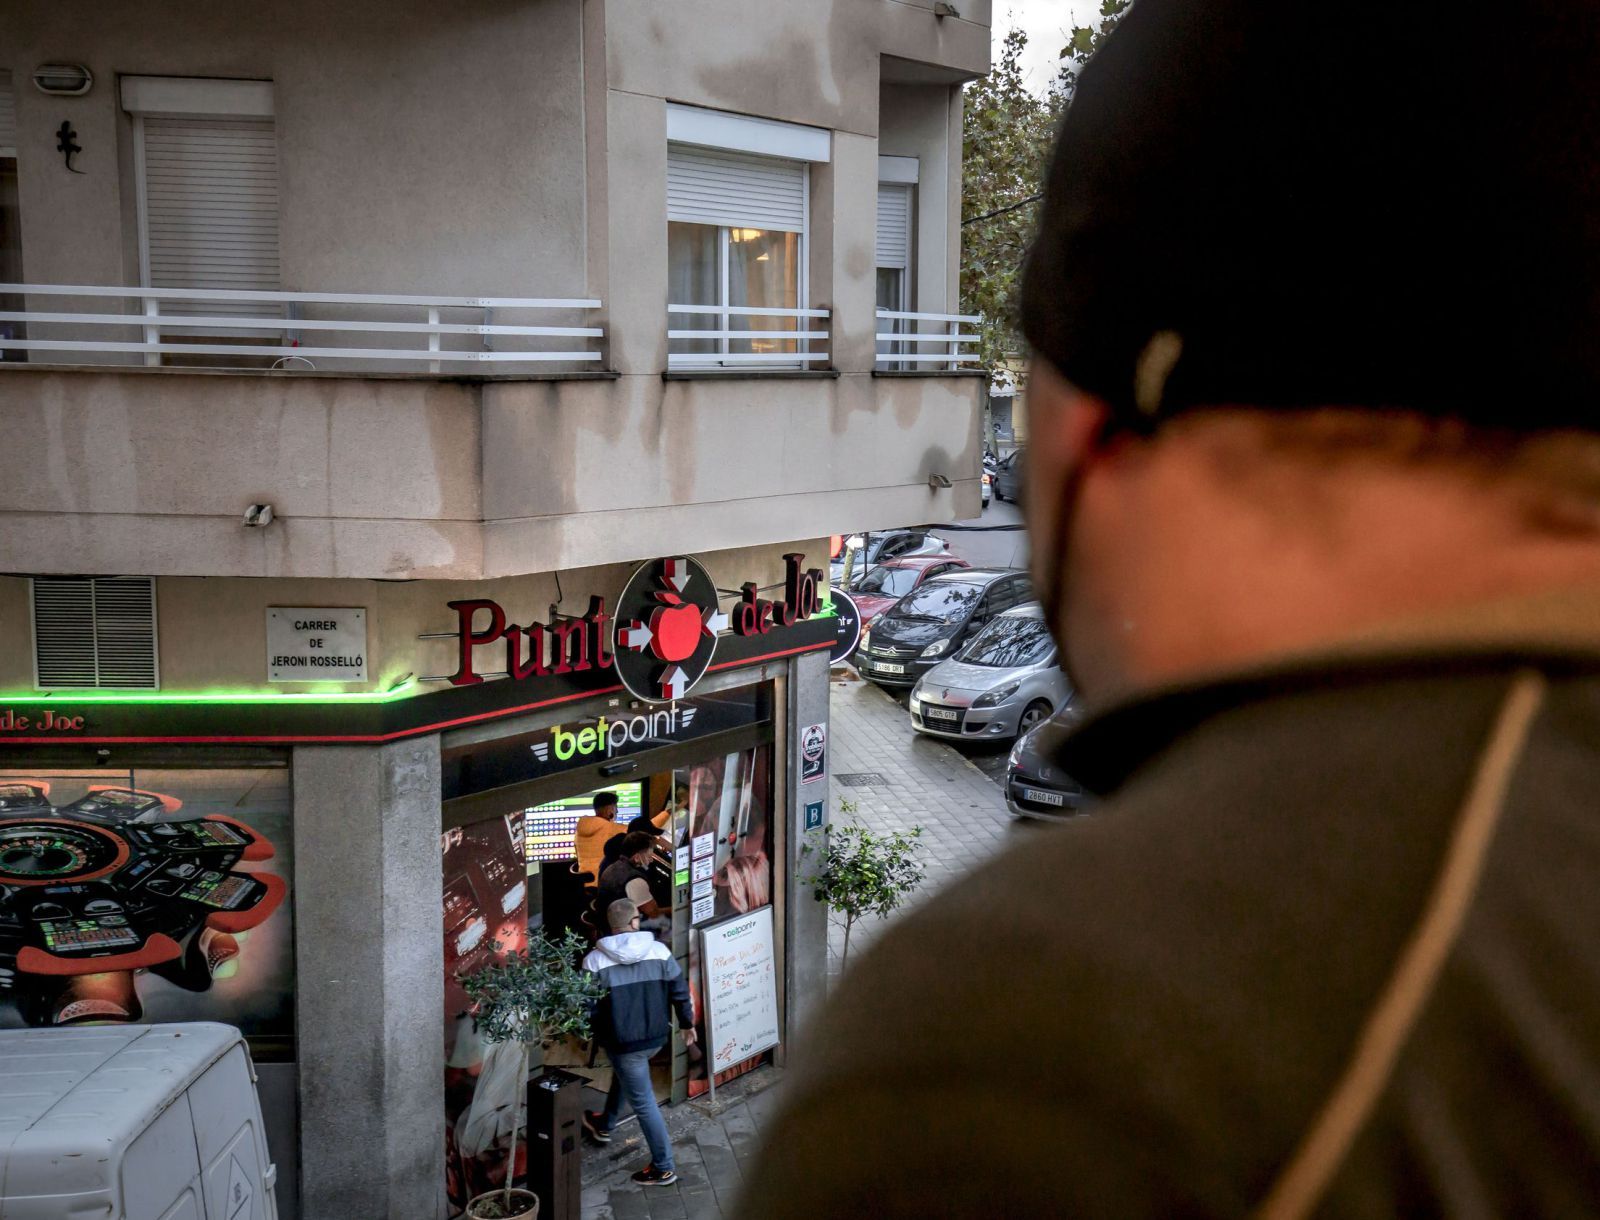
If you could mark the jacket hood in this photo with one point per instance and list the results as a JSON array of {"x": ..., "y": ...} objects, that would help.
[{"x": 626, "y": 947}]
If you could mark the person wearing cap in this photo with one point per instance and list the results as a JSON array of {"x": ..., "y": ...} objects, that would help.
[
  {"x": 643, "y": 986},
  {"x": 1314, "y": 494}
]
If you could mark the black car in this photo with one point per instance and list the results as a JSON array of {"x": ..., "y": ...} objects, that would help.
[
  {"x": 1008, "y": 477},
  {"x": 1036, "y": 787},
  {"x": 934, "y": 621}
]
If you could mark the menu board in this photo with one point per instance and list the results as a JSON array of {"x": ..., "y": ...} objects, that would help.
[{"x": 741, "y": 988}]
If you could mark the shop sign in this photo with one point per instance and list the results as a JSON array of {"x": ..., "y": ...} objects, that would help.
[
  {"x": 45, "y": 719},
  {"x": 847, "y": 625},
  {"x": 668, "y": 621},
  {"x": 587, "y": 740},
  {"x": 813, "y": 752},
  {"x": 316, "y": 644},
  {"x": 660, "y": 638},
  {"x": 813, "y": 815}
]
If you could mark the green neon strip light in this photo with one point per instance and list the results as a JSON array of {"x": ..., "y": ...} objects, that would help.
[{"x": 73, "y": 696}]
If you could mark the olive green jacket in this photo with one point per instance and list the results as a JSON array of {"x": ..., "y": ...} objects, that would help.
[{"x": 1330, "y": 946}]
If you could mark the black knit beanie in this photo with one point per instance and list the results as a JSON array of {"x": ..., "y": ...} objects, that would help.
[{"x": 1296, "y": 203}]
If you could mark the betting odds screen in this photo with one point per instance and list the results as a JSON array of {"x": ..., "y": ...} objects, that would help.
[{"x": 552, "y": 828}]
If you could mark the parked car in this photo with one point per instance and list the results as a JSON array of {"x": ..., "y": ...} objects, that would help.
[
  {"x": 932, "y": 623},
  {"x": 1006, "y": 680},
  {"x": 1036, "y": 787},
  {"x": 875, "y": 548},
  {"x": 1008, "y": 477},
  {"x": 888, "y": 582}
]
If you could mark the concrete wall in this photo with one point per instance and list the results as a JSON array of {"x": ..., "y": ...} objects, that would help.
[
  {"x": 150, "y": 473},
  {"x": 423, "y": 147},
  {"x": 806, "y": 931},
  {"x": 369, "y": 964},
  {"x": 916, "y": 121}
]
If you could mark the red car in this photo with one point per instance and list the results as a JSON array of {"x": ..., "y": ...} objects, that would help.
[{"x": 886, "y": 583}]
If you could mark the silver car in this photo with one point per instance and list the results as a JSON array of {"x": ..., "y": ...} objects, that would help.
[{"x": 1000, "y": 685}]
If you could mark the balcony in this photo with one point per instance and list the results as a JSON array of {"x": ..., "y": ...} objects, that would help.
[
  {"x": 296, "y": 331},
  {"x": 924, "y": 342},
  {"x": 418, "y": 437},
  {"x": 742, "y": 338}
]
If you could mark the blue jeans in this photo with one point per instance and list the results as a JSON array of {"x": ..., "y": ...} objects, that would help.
[{"x": 630, "y": 1083}]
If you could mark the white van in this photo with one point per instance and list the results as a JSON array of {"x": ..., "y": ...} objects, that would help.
[{"x": 131, "y": 1122}]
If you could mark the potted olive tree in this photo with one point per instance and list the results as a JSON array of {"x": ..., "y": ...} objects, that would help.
[
  {"x": 534, "y": 996},
  {"x": 862, "y": 873}
]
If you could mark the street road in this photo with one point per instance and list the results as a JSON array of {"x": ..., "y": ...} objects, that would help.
[{"x": 983, "y": 545}]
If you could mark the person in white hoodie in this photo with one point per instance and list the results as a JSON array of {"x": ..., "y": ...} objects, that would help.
[{"x": 643, "y": 985}]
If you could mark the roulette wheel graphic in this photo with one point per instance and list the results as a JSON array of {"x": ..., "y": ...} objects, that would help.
[{"x": 114, "y": 884}]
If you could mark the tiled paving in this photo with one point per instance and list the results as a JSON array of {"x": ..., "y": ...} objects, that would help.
[
  {"x": 927, "y": 783},
  {"x": 917, "y": 781}
]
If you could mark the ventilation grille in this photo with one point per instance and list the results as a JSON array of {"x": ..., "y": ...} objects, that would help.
[
  {"x": 8, "y": 117},
  {"x": 95, "y": 632},
  {"x": 735, "y": 189}
]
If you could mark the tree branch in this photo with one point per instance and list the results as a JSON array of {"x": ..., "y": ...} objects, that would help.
[{"x": 1010, "y": 207}]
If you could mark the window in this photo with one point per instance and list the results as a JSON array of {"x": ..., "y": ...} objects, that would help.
[
  {"x": 94, "y": 631},
  {"x": 1010, "y": 641},
  {"x": 10, "y": 219},
  {"x": 206, "y": 163},
  {"x": 736, "y": 227},
  {"x": 888, "y": 582},
  {"x": 941, "y": 601},
  {"x": 894, "y": 261}
]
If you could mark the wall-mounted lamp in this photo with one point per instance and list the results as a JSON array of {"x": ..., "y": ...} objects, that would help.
[
  {"x": 939, "y": 481},
  {"x": 618, "y": 768},
  {"x": 258, "y": 515},
  {"x": 63, "y": 80}
]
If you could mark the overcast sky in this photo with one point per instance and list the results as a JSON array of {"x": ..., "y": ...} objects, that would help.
[{"x": 1048, "y": 24}]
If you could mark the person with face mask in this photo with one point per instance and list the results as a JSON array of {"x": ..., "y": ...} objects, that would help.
[{"x": 1314, "y": 493}]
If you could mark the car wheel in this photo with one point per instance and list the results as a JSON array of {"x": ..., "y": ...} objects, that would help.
[{"x": 1035, "y": 713}]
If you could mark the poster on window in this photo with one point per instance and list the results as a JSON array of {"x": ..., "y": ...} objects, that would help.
[
  {"x": 485, "y": 920},
  {"x": 730, "y": 804},
  {"x": 148, "y": 894}
]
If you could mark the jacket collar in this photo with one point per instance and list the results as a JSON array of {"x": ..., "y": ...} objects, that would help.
[{"x": 1557, "y": 631}]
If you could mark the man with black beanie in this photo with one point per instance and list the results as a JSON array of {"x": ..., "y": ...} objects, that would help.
[{"x": 1314, "y": 491}]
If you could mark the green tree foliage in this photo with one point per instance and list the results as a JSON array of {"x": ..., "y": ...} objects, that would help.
[
  {"x": 863, "y": 873},
  {"x": 1006, "y": 142}
]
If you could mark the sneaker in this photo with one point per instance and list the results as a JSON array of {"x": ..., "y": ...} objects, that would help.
[
  {"x": 651, "y": 1176},
  {"x": 594, "y": 1124}
]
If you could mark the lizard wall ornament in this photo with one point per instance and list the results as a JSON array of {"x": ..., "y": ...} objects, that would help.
[{"x": 65, "y": 145}]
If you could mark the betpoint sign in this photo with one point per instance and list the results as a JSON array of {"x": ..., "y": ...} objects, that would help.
[{"x": 660, "y": 639}]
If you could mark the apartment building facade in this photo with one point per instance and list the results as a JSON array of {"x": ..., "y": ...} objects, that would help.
[{"x": 421, "y": 417}]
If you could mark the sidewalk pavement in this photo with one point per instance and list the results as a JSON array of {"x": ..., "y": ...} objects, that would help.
[{"x": 897, "y": 779}]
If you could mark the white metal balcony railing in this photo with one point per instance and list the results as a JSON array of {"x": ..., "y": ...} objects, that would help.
[
  {"x": 729, "y": 346},
  {"x": 899, "y": 333},
  {"x": 297, "y": 330}
]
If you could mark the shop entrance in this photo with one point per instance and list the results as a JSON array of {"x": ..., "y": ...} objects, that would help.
[{"x": 523, "y": 857}]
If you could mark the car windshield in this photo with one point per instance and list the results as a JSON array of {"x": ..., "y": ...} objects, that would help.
[
  {"x": 1010, "y": 641},
  {"x": 941, "y": 601},
  {"x": 888, "y": 582}
]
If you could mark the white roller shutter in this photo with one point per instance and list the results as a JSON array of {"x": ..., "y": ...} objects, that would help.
[
  {"x": 894, "y": 225},
  {"x": 95, "y": 631},
  {"x": 8, "y": 117},
  {"x": 211, "y": 204},
  {"x": 713, "y": 187}
]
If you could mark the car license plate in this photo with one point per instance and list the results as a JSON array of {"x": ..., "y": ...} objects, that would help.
[
  {"x": 940, "y": 713},
  {"x": 1040, "y": 796},
  {"x": 888, "y": 667}
]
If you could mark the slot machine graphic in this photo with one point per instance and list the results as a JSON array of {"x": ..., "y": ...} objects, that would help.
[{"x": 94, "y": 893}]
